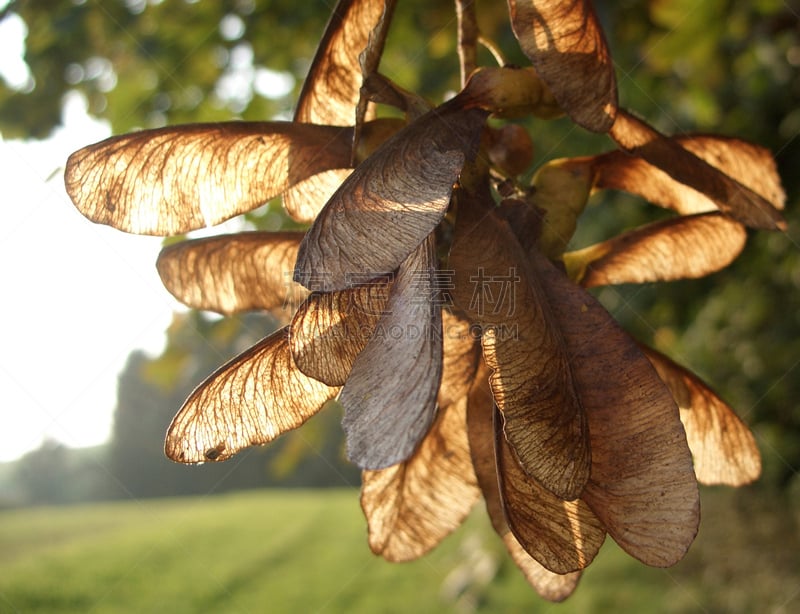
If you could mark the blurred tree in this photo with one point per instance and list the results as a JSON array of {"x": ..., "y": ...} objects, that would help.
[{"x": 726, "y": 65}]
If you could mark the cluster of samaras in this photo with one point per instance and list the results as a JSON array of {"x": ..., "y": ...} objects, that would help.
[{"x": 434, "y": 298}]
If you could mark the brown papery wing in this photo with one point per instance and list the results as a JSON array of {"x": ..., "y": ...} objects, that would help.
[
  {"x": 391, "y": 202},
  {"x": 480, "y": 427},
  {"x": 389, "y": 399},
  {"x": 566, "y": 45},
  {"x": 642, "y": 485},
  {"x": 172, "y": 180},
  {"x": 330, "y": 329},
  {"x": 679, "y": 248},
  {"x": 412, "y": 506},
  {"x": 234, "y": 273},
  {"x": 332, "y": 89},
  {"x": 248, "y": 401},
  {"x": 724, "y": 449},
  {"x": 683, "y": 165},
  {"x": 532, "y": 379}
]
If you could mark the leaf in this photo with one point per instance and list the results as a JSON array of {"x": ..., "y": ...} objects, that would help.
[
  {"x": 724, "y": 449},
  {"x": 172, "y": 180},
  {"x": 531, "y": 379},
  {"x": 410, "y": 507},
  {"x": 732, "y": 197},
  {"x": 329, "y": 330},
  {"x": 642, "y": 485},
  {"x": 566, "y": 45},
  {"x": 678, "y": 248},
  {"x": 233, "y": 273},
  {"x": 248, "y": 401},
  {"x": 391, "y": 202},
  {"x": 389, "y": 399},
  {"x": 557, "y": 534}
]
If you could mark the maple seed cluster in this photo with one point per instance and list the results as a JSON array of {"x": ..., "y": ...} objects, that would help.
[{"x": 517, "y": 384}]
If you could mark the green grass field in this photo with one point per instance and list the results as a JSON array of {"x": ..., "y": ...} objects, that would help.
[{"x": 306, "y": 551}]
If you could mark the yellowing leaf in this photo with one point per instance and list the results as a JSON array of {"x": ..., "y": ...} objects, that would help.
[
  {"x": 724, "y": 449},
  {"x": 390, "y": 396},
  {"x": 172, "y": 180},
  {"x": 566, "y": 45},
  {"x": 233, "y": 273},
  {"x": 391, "y": 202},
  {"x": 248, "y": 401},
  {"x": 678, "y": 248}
]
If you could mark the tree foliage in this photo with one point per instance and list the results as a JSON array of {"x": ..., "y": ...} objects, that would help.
[{"x": 142, "y": 64}]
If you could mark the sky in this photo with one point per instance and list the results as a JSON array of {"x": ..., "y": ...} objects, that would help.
[{"x": 78, "y": 297}]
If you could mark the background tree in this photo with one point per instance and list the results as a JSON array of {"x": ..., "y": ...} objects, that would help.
[{"x": 722, "y": 64}]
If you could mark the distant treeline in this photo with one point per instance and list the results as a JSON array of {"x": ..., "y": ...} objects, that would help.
[{"x": 150, "y": 391}]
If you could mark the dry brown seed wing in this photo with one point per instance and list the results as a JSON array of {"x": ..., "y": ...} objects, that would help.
[
  {"x": 751, "y": 165},
  {"x": 724, "y": 449},
  {"x": 248, "y": 401},
  {"x": 732, "y": 197},
  {"x": 566, "y": 45},
  {"x": 172, "y": 180},
  {"x": 412, "y": 506},
  {"x": 390, "y": 203},
  {"x": 331, "y": 92},
  {"x": 642, "y": 486},
  {"x": 330, "y": 329},
  {"x": 678, "y": 248},
  {"x": 562, "y": 536},
  {"x": 390, "y": 396},
  {"x": 532, "y": 378},
  {"x": 234, "y": 273}
]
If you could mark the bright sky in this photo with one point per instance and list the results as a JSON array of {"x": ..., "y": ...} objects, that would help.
[{"x": 78, "y": 297}]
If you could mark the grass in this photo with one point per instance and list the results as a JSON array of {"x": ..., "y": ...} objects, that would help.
[{"x": 305, "y": 551}]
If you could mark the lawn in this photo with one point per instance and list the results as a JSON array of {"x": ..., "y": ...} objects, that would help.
[{"x": 305, "y": 551}]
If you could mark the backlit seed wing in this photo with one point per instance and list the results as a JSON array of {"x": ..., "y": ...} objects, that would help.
[
  {"x": 678, "y": 248},
  {"x": 389, "y": 399},
  {"x": 248, "y": 401},
  {"x": 332, "y": 91},
  {"x": 564, "y": 536},
  {"x": 391, "y": 202},
  {"x": 173, "y": 180},
  {"x": 642, "y": 486},
  {"x": 732, "y": 197},
  {"x": 550, "y": 585},
  {"x": 410, "y": 507},
  {"x": 330, "y": 329},
  {"x": 234, "y": 273},
  {"x": 304, "y": 201},
  {"x": 751, "y": 165},
  {"x": 532, "y": 379},
  {"x": 724, "y": 449},
  {"x": 566, "y": 45},
  {"x": 461, "y": 352},
  {"x": 558, "y": 535},
  {"x": 333, "y": 86}
]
